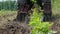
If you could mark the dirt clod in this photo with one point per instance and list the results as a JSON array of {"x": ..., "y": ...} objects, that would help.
[{"x": 15, "y": 28}]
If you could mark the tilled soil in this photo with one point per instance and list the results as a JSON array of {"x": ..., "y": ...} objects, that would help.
[
  {"x": 15, "y": 28},
  {"x": 8, "y": 26},
  {"x": 56, "y": 23}
]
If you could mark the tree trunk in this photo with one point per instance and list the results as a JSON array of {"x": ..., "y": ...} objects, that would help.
[
  {"x": 47, "y": 11},
  {"x": 23, "y": 9}
]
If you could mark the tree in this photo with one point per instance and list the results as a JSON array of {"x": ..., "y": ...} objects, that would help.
[
  {"x": 47, "y": 10},
  {"x": 47, "y": 13},
  {"x": 23, "y": 9}
]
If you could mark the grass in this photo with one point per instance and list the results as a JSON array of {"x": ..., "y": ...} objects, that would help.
[
  {"x": 56, "y": 7},
  {"x": 7, "y": 12}
]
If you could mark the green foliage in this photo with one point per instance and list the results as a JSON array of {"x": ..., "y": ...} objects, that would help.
[
  {"x": 33, "y": 0},
  {"x": 8, "y": 5},
  {"x": 55, "y": 7},
  {"x": 38, "y": 27}
]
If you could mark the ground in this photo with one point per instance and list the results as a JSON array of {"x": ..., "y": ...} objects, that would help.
[
  {"x": 8, "y": 26},
  {"x": 56, "y": 23}
]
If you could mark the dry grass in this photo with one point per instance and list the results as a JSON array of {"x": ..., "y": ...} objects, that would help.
[{"x": 7, "y": 12}]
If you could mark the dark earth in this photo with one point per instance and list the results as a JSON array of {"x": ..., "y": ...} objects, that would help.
[{"x": 8, "y": 26}]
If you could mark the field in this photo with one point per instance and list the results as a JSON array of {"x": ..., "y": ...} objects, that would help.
[
  {"x": 6, "y": 16},
  {"x": 9, "y": 26}
]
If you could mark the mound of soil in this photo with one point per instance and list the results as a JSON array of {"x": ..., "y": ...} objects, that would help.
[
  {"x": 15, "y": 28},
  {"x": 8, "y": 26}
]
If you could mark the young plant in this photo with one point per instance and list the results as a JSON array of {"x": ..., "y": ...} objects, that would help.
[{"x": 38, "y": 27}]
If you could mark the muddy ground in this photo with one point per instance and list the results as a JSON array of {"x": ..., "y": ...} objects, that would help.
[{"x": 8, "y": 26}]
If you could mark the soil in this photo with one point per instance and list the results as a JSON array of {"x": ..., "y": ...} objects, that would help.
[
  {"x": 56, "y": 23},
  {"x": 8, "y": 26}
]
